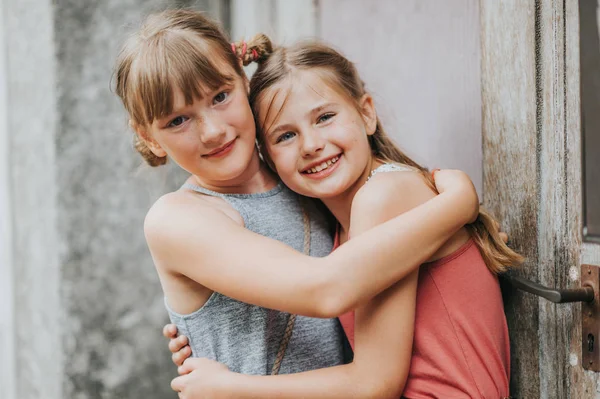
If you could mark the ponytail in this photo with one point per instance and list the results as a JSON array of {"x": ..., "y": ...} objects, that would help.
[{"x": 256, "y": 49}]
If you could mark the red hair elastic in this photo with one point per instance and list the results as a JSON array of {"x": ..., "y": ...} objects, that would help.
[{"x": 254, "y": 54}]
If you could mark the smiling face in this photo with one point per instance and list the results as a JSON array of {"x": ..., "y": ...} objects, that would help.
[
  {"x": 315, "y": 136},
  {"x": 212, "y": 137}
]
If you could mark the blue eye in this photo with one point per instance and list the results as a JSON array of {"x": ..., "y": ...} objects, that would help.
[
  {"x": 221, "y": 97},
  {"x": 177, "y": 121},
  {"x": 325, "y": 117},
  {"x": 285, "y": 136}
]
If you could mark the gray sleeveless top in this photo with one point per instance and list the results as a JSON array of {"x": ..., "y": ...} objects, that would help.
[{"x": 245, "y": 337}]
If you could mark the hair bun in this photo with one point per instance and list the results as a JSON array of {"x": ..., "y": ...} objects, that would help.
[{"x": 257, "y": 49}]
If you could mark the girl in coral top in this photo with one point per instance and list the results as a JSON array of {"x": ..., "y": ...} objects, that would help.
[{"x": 318, "y": 129}]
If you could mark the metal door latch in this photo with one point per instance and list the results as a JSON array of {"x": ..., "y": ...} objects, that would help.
[{"x": 589, "y": 295}]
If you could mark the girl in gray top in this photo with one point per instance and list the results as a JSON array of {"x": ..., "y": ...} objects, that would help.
[{"x": 186, "y": 95}]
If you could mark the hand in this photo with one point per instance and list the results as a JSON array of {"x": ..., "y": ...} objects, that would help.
[
  {"x": 447, "y": 180},
  {"x": 178, "y": 345},
  {"x": 201, "y": 378}
]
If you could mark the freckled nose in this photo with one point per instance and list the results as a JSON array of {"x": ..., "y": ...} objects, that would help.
[{"x": 211, "y": 130}]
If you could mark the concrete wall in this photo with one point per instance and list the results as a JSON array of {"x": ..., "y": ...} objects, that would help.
[
  {"x": 81, "y": 307},
  {"x": 421, "y": 61}
]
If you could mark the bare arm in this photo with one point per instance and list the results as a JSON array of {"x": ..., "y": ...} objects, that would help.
[
  {"x": 208, "y": 247},
  {"x": 384, "y": 326}
]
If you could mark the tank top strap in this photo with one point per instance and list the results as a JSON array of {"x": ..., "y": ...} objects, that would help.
[
  {"x": 203, "y": 190},
  {"x": 275, "y": 190},
  {"x": 245, "y": 204},
  {"x": 390, "y": 167}
]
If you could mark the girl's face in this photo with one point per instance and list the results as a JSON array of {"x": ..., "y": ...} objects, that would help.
[
  {"x": 316, "y": 137},
  {"x": 212, "y": 138}
]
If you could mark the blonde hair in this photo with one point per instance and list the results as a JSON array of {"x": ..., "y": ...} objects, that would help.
[
  {"x": 180, "y": 49},
  {"x": 341, "y": 75}
]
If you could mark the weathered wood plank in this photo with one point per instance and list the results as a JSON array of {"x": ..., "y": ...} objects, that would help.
[
  {"x": 555, "y": 253},
  {"x": 510, "y": 163},
  {"x": 583, "y": 384}
]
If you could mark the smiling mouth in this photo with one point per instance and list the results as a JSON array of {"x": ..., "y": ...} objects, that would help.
[
  {"x": 322, "y": 166},
  {"x": 221, "y": 150}
]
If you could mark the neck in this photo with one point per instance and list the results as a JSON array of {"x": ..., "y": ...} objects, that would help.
[
  {"x": 341, "y": 205},
  {"x": 256, "y": 178}
]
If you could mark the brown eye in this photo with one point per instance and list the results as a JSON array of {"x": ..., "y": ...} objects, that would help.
[
  {"x": 177, "y": 121},
  {"x": 219, "y": 98}
]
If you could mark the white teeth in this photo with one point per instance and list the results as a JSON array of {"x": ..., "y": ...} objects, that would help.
[{"x": 323, "y": 166}]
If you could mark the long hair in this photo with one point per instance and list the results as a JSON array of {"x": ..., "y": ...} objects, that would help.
[{"x": 341, "y": 75}]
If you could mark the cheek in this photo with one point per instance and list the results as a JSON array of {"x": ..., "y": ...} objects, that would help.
[
  {"x": 284, "y": 162},
  {"x": 239, "y": 114}
]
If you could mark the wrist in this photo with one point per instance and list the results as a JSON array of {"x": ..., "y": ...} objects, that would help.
[{"x": 233, "y": 386}]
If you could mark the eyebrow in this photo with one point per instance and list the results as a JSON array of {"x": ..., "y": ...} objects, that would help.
[{"x": 287, "y": 126}]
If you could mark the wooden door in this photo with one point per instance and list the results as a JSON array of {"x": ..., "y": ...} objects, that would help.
[{"x": 532, "y": 156}]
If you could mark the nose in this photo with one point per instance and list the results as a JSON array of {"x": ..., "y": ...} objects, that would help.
[
  {"x": 212, "y": 130},
  {"x": 312, "y": 143}
]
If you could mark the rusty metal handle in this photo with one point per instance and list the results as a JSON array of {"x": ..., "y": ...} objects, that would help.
[{"x": 583, "y": 294}]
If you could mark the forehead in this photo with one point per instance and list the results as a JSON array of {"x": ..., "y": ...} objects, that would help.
[
  {"x": 179, "y": 69},
  {"x": 293, "y": 95}
]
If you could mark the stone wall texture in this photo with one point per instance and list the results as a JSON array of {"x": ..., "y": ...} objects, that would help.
[
  {"x": 88, "y": 308},
  {"x": 111, "y": 294}
]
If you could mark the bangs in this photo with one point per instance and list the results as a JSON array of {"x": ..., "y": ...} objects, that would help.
[{"x": 169, "y": 61}]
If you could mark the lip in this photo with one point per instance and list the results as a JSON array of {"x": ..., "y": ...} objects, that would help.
[
  {"x": 325, "y": 172},
  {"x": 221, "y": 151}
]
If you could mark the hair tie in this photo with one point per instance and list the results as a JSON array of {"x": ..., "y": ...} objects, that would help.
[
  {"x": 244, "y": 48},
  {"x": 254, "y": 54},
  {"x": 233, "y": 48}
]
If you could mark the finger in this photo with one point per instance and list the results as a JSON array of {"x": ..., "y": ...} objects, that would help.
[
  {"x": 504, "y": 237},
  {"x": 177, "y": 359},
  {"x": 177, "y": 383},
  {"x": 170, "y": 331},
  {"x": 187, "y": 366},
  {"x": 182, "y": 355},
  {"x": 175, "y": 344}
]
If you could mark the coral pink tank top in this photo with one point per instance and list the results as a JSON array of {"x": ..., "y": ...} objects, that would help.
[{"x": 461, "y": 346}]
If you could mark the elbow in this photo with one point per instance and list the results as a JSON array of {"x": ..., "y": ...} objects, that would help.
[
  {"x": 332, "y": 298},
  {"x": 332, "y": 305}
]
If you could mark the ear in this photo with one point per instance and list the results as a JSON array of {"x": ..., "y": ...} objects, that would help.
[
  {"x": 143, "y": 134},
  {"x": 368, "y": 113}
]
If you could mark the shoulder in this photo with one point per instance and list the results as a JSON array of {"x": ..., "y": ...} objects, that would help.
[
  {"x": 173, "y": 214},
  {"x": 389, "y": 194}
]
